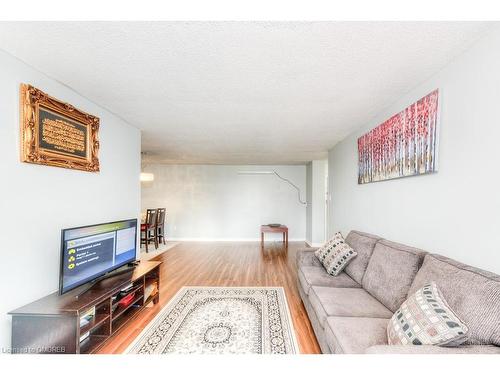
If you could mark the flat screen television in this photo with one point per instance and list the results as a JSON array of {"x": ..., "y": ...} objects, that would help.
[{"x": 89, "y": 252}]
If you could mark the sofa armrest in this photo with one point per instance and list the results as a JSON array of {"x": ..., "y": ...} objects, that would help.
[
  {"x": 430, "y": 349},
  {"x": 306, "y": 257}
]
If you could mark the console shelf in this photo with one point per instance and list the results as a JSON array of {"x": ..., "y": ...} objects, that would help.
[
  {"x": 123, "y": 319},
  {"x": 52, "y": 324},
  {"x": 138, "y": 301},
  {"x": 97, "y": 322}
]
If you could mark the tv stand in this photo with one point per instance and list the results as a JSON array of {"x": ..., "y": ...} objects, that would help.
[
  {"x": 52, "y": 324},
  {"x": 90, "y": 285}
]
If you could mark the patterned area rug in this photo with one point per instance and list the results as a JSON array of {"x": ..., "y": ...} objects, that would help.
[{"x": 221, "y": 320}]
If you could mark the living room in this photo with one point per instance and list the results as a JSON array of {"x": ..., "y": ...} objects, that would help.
[{"x": 253, "y": 186}]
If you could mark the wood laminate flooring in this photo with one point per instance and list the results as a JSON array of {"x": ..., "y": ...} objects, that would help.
[{"x": 225, "y": 264}]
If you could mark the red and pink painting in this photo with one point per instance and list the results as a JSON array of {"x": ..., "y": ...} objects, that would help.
[{"x": 404, "y": 145}]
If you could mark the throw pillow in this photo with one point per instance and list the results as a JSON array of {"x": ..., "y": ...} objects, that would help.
[
  {"x": 426, "y": 319},
  {"x": 335, "y": 254},
  {"x": 323, "y": 251}
]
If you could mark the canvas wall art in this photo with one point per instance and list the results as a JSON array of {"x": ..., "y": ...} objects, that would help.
[{"x": 404, "y": 145}]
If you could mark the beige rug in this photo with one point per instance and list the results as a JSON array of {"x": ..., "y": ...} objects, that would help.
[{"x": 221, "y": 320}]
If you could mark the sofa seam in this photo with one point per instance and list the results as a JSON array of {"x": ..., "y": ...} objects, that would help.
[
  {"x": 310, "y": 322},
  {"x": 333, "y": 334},
  {"x": 298, "y": 279},
  {"x": 319, "y": 300},
  {"x": 350, "y": 316},
  {"x": 331, "y": 276}
]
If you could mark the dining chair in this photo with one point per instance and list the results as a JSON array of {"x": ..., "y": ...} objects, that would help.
[
  {"x": 148, "y": 229},
  {"x": 160, "y": 224}
]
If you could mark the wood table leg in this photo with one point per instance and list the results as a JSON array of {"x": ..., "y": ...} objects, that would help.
[
  {"x": 283, "y": 237},
  {"x": 286, "y": 241},
  {"x": 262, "y": 239}
]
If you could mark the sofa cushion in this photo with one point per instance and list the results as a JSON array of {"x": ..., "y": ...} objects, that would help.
[
  {"x": 426, "y": 319},
  {"x": 363, "y": 244},
  {"x": 391, "y": 271},
  {"x": 328, "y": 301},
  {"x": 473, "y": 294},
  {"x": 311, "y": 275},
  {"x": 306, "y": 257},
  {"x": 352, "y": 335}
]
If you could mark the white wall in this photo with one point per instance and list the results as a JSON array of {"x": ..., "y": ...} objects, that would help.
[
  {"x": 38, "y": 201},
  {"x": 309, "y": 198},
  {"x": 316, "y": 190},
  {"x": 455, "y": 212},
  {"x": 213, "y": 202},
  {"x": 320, "y": 170}
]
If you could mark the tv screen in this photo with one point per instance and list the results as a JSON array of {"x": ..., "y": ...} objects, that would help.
[{"x": 92, "y": 251}]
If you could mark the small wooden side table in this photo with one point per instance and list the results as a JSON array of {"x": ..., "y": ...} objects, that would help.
[{"x": 281, "y": 229}]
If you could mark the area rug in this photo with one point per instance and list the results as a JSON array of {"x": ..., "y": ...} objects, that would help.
[{"x": 221, "y": 320}]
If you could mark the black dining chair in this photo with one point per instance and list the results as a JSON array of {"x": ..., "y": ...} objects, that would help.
[
  {"x": 160, "y": 224},
  {"x": 148, "y": 229}
]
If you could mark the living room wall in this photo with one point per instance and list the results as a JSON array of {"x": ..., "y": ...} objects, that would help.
[
  {"x": 214, "y": 202},
  {"x": 316, "y": 172},
  {"x": 455, "y": 212},
  {"x": 38, "y": 201}
]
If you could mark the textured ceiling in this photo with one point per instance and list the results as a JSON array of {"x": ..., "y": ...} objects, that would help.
[{"x": 240, "y": 92}]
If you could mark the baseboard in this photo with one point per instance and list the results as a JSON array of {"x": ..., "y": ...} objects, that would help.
[
  {"x": 209, "y": 239},
  {"x": 313, "y": 244}
]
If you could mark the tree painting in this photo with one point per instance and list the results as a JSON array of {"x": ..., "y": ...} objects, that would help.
[{"x": 404, "y": 145}]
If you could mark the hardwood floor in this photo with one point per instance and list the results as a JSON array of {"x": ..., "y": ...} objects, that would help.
[{"x": 225, "y": 264}]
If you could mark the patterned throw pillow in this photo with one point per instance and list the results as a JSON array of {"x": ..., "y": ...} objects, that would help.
[
  {"x": 335, "y": 254},
  {"x": 426, "y": 319},
  {"x": 322, "y": 252}
]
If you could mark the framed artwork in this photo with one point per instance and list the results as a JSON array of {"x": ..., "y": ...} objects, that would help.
[
  {"x": 404, "y": 145},
  {"x": 56, "y": 133}
]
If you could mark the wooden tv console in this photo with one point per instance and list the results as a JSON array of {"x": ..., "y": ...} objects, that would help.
[{"x": 52, "y": 324}]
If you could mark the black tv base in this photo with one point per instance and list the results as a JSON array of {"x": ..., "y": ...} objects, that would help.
[
  {"x": 129, "y": 268},
  {"x": 52, "y": 324}
]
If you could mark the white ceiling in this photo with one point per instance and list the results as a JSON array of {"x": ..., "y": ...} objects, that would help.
[{"x": 240, "y": 92}]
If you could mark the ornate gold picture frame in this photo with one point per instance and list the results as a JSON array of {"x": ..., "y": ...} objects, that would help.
[{"x": 56, "y": 133}]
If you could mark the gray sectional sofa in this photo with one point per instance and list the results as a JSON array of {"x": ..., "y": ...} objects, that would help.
[{"x": 350, "y": 312}]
